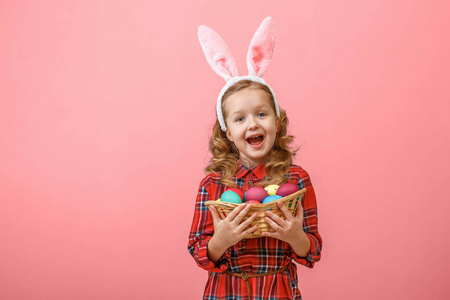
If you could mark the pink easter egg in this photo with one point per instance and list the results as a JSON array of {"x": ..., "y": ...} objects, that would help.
[
  {"x": 287, "y": 189},
  {"x": 256, "y": 193},
  {"x": 253, "y": 202}
]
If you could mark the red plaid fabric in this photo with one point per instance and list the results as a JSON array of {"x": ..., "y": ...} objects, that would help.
[{"x": 258, "y": 255}]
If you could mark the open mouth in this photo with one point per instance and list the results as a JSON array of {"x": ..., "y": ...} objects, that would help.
[{"x": 256, "y": 140}]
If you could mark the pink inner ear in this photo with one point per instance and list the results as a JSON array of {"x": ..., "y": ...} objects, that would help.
[
  {"x": 259, "y": 61},
  {"x": 261, "y": 48},
  {"x": 225, "y": 65},
  {"x": 217, "y": 52}
]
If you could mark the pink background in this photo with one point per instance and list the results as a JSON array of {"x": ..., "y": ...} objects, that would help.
[{"x": 106, "y": 108}]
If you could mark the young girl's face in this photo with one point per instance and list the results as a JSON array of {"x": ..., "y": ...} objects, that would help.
[{"x": 252, "y": 124}]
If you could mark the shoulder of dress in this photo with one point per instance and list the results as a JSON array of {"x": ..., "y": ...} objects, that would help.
[
  {"x": 211, "y": 178},
  {"x": 298, "y": 170}
]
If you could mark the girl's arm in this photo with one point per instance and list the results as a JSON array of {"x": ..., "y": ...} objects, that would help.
[
  {"x": 230, "y": 230},
  {"x": 215, "y": 250},
  {"x": 302, "y": 246},
  {"x": 201, "y": 232},
  {"x": 300, "y": 231},
  {"x": 310, "y": 224},
  {"x": 221, "y": 234},
  {"x": 289, "y": 229}
]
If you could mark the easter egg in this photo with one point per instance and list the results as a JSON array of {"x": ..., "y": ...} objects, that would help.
[
  {"x": 231, "y": 197},
  {"x": 287, "y": 189},
  {"x": 271, "y": 198},
  {"x": 253, "y": 202},
  {"x": 256, "y": 193},
  {"x": 237, "y": 191},
  {"x": 272, "y": 189},
  {"x": 218, "y": 200}
]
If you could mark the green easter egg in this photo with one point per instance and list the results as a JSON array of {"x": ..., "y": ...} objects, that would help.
[{"x": 231, "y": 197}]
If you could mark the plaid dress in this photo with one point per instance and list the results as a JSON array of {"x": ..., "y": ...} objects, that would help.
[{"x": 257, "y": 255}]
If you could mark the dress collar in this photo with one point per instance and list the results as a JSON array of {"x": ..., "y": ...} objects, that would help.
[{"x": 259, "y": 171}]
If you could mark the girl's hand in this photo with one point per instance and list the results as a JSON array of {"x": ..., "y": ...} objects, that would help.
[
  {"x": 230, "y": 230},
  {"x": 289, "y": 230}
]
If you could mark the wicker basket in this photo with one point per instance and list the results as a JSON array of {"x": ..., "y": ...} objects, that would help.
[{"x": 291, "y": 201}]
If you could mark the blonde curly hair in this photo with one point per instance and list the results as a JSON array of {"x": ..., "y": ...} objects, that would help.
[{"x": 225, "y": 155}]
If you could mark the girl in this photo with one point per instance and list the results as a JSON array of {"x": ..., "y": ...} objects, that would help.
[{"x": 249, "y": 148}]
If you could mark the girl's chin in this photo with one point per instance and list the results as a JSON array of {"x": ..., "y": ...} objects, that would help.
[
  {"x": 249, "y": 164},
  {"x": 252, "y": 161}
]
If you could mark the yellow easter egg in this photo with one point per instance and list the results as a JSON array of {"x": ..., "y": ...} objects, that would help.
[
  {"x": 272, "y": 189},
  {"x": 219, "y": 200}
]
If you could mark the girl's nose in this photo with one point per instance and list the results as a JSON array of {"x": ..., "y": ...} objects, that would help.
[{"x": 252, "y": 124}]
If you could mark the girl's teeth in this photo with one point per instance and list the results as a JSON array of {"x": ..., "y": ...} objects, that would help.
[{"x": 255, "y": 140}]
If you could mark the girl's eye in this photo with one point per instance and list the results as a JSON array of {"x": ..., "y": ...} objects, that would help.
[
  {"x": 240, "y": 119},
  {"x": 261, "y": 114}
]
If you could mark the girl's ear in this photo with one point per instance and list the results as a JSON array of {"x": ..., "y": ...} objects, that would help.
[
  {"x": 229, "y": 135},
  {"x": 278, "y": 121}
]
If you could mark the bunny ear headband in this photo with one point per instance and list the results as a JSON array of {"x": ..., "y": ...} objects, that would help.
[{"x": 222, "y": 61}]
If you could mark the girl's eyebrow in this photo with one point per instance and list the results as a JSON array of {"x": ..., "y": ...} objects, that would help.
[
  {"x": 263, "y": 107},
  {"x": 236, "y": 112},
  {"x": 256, "y": 107}
]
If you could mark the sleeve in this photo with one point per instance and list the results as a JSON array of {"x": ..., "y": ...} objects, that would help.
[
  {"x": 310, "y": 223},
  {"x": 202, "y": 230}
]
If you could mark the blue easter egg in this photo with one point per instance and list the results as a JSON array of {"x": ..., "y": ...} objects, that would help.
[{"x": 271, "y": 198}]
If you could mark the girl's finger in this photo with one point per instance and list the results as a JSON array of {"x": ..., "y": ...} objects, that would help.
[
  {"x": 270, "y": 234},
  {"x": 250, "y": 230},
  {"x": 236, "y": 211},
  {"x": 214, "y": 213},
  {"x": 299, "y": 214},
  {"x": 285, "y": 211},
  {"x": 276, "y": 218},
  {"x": 272, "y": 224},
  {"x": 247, "y": 222},
  {"x": 238, "y": 219}
]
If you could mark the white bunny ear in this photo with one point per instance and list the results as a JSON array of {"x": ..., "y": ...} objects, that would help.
[
  {"x": 261, "y": 48},
  {"x": 217, "y": 53}
]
